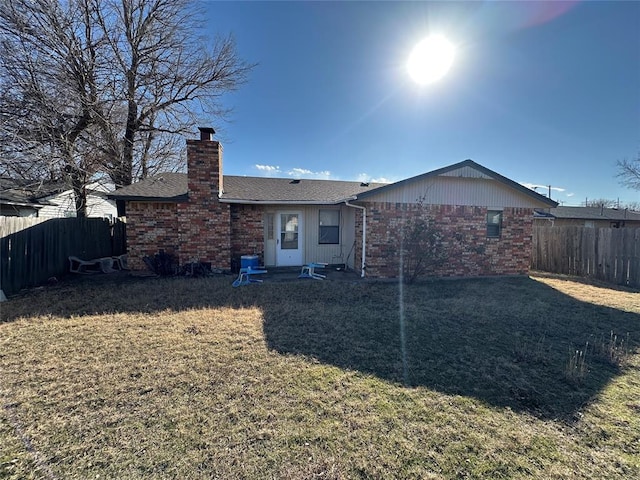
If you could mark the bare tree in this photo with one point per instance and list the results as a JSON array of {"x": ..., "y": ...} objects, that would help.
[
  {"x": 635, "y": 206},
  {"x": 164, "y": 74},
  {"x": 48, "y": 90},
  {"x": 423, "y": 247},
  {"x": 629, "y": 172},
  {"x": 600, "y": 203},
  {"x": 607, "y": 203},
  {"x": 106, "y": 86}
]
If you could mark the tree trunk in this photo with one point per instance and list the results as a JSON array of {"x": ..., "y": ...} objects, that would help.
[
  {"x": 79, "y": 191},
  {"x": 126, "y": 167}
]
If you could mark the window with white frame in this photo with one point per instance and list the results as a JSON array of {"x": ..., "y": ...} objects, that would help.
[{"x": 329, "y": 227}]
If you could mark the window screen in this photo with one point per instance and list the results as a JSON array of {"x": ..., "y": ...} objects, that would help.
[
  {"x": 329, "y": 227},
  {"x": 494, "y": 223}
]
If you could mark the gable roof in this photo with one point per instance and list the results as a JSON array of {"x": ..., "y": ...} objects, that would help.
[
  {"x": 593, "y": 213},
  {"x": 462, "y": 169},
  {"x": 173, "y": 187}
]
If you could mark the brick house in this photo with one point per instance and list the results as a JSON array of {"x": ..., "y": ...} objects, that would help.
[{"x": 206, "y": 216}]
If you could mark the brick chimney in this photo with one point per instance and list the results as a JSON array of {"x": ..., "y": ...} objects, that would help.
[
  {"x": 204, "y": 164},
  {"x": 203, "y": 222}
]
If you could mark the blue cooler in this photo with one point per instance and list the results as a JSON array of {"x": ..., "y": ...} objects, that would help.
[{"x": 247, "y": 261}]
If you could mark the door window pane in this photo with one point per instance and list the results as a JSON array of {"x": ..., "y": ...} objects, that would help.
[{"x": 289, "y": 231}]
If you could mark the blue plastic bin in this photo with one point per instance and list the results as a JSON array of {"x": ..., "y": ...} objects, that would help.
[{"x": 247, "y": 261}]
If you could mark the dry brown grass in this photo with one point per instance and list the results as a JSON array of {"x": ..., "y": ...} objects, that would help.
[
  {"x": 193, "y": 379},
  {"x": 597, "y": 294}
]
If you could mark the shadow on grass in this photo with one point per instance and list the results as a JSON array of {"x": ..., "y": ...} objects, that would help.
[{"x": 507, "y": 342}]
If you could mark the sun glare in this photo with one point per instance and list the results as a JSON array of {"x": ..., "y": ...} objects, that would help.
[{"x": 431, "y": 59}]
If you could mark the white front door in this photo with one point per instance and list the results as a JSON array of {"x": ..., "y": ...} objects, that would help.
[{"x": 290, "y": 239}]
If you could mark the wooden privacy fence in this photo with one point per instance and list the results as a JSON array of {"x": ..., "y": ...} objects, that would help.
[
  {"x": 34, "y": 250},
  {"x": 608, "y": 254}
]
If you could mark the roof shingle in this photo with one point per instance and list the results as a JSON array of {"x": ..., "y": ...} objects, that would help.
[
  {"x": 28, "y": 192},
  {"x": 174, "y": 187}
]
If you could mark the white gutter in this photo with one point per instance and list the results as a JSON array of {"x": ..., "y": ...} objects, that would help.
[
  {"x": 364, "y": 233},
  {"x": 19, "y": 204}
]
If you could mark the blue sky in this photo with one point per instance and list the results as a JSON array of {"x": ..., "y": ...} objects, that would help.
[{"x": 543, "y": 93}]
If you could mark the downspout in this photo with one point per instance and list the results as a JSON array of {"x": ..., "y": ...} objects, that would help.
[{"x": 364, "y": 234}]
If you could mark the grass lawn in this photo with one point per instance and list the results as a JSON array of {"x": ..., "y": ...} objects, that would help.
[{"x": 190, "y": 378}]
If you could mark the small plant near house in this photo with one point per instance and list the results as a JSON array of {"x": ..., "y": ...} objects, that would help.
[
  {"x": 162, "y": 263},
  {"x": 196, "y": 269},
  {"x": 167, "y": 265},
  {"x": 422, "y": 249}
]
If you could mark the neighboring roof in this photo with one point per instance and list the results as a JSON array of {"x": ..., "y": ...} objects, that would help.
[
  {"x": 28, "y": 192},
  {"x": 593, "y": 213},
  {"x": 457, "y": 166},
  {"x": 34, "y": 193},
  {"x": 542, "y": 214},
  {"x": 11, "y": 195},
  {"x": 174, "y": 187}
]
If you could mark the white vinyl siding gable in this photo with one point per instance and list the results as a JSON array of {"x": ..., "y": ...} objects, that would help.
[
  {"x": 466, "y": 172},
  {"x": 450, "y": 190}
]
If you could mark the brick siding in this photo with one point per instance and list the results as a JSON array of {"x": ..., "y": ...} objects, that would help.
[
  {"x": 204, "y": 224},
  {"x": 471, "y": 252},
  {"x": 203, "y": 229},
  {"x": 247, "y": 231},
  {"x": 196, "y": 230},
  {"x": 151, "y": 227}
]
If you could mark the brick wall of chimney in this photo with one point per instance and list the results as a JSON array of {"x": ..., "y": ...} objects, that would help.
[
  {"x": 197, "y": 230},
  {"x": 204, "y": 224}
]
